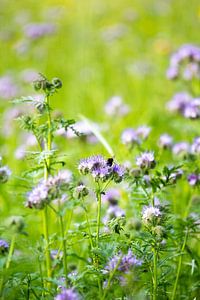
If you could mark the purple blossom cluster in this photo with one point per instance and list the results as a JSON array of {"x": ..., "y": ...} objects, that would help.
[
  {"x": 132, "y": 136},
  {"x": 123, "y": 263},
  {"x": 193, "y": 179},
  {"x": 115, "y": 107},
  {"x": 146, "y": 160},
  {"x": 37, "y": 30},
  {"x": 8, "y": 88},
  {"x": 185, "y": 62},
  {"x": 3, "y": 247},
  {"x": 101, "y": 169},
  {"x": 67, "y": 294},
  {"x": 165, "y": 141},
  {"x": 186, "y": 105},
  {"x": 151, "y": 215},
  {"x": 5, "y": 173},
  {"x": 49, "y": 190}
]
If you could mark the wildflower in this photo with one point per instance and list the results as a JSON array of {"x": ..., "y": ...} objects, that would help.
[
  {"x": 189, "y": 56},
  {"x": 116, "y": 107},
  {"x": 143, "y": 132},
  {"x": 165, "y": 141},
  {"x": 181, "y": 149},
  {"x": 113, "y": 212},
  {"x": 112, "y": 195},
  {"x": 101, "y": 169},
  {"x": 195, "y": 147},
  {"x": 151, "y": 215},
  {"x": 193, "y": 179},
  {"x": 130, "y": 137},
  {"x": 67, "y": 294},
  {"x": 83, "y": 130},
  {"x": 179, "y": 102},
  {"x": 38, "y": 30},
  {"x": 80, "y": 191},
  {"x": 192, "y": 109},
  {"x": 146, "y": 160},
  {"x": 38, "y": 197},
  {"x": 4, "y": 174},
  {"x": 123, "y": 263},
  {"x": 8, "y": 88},
  {"x": 3, "y": 247}
]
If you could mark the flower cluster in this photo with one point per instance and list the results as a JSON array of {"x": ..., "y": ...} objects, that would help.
[
  {"x": 185, "y": 62},
  {"x": 165, "y": 141},
  {"x": 151, "y": 215},
  {"x": 146, "y": 160},
  {"x": 116, "y": 107},
  {"x": 3, "y": 247},
  {"x": 38, "y": 30},
  {"x": 194, "y": 179},
  {"x": 186, "y": 105},
  {"x": 8, "y": 88},
  {"x": 132, "y": 136},
  {"x": 67, "y": 294},
  {"x": 123, "y": 263},
  {"x": 49, "y": 190},
  {"x": 101, "y": 169}
]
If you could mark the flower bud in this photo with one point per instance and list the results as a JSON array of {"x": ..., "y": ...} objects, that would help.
[{"x": 57, "y": 83}]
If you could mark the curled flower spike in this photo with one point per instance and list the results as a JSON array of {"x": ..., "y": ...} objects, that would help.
[
  {"x": 146, "y": 160},
  {"x": 151, "y": 215},
  {"x": 101, "y": 169}
]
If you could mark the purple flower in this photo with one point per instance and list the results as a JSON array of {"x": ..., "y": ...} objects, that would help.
[
  {"x": 4, "y": 174},
  {"x": 192, "y": 109},
  {"x": 3, "y": 247},
  {"x": 67, "y": 294},
  {"x": 123, "y": 263},
  {"x": 146, "y": 160},
  {"x": 38, "y": 30},
  {"x": 112, "y": 196},
  {"x": 129, "y": 137},
  {"x": 101, "y": 169},
  {"x": 193, "y": 179},
  {"x": 113, "y": 212},
  {"x": 181, "y": 149},
  {"x": 143, "y": 132},
  {"x": 172, "y": 73},
  {"x": 165, "y": 141},
  {"x": 38, "y": 197},
  {"x": 150, "y": 214},
  {"x": 179, "y": 101},
  {"x": 8, "y": 89},
  {"x": 195, "y": 147},
  {"x": 116, "y": 107}
]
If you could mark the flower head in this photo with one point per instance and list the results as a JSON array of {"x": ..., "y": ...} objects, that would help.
[
  {"x": 67, "y": 294},
  {"x": 4, "y": 174},
  {"x": 146, "y": 160},
  {"x": 193, "y": 179},
  {"x": 3, "y": 247},
  {"x": 116, "y": 107},
  {"x": 165, "y": 141},
  {"x": 195, "y": 147},
  {"x": 150, "y": 215}
]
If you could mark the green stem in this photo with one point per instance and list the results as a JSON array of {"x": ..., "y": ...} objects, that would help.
[
  {"x": 64, "y": 247},
  {"x": 89, "y": 228},
  {"x": 98, "y": 216},
  {"x": 155, "y": 273},
  {"x": 46, "y": 236},
  {"x": 179, "y": 265},
  {"x": 11, "y": 250}
]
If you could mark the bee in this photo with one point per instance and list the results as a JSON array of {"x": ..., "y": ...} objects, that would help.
[{"x": 110, "y": 162}]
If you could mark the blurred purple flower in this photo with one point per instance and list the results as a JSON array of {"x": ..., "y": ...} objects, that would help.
[
  {"x": 129, "y": 137},
  {"x": 67, "y": 294},
  {"x": 116, "y": 107},
  {"x": 146, "y": 160},
  {"x": 195, "y": 147},
  {"x": 38, "y": 30},
  {"x": 165, "y": 141},
  {"x": 179, "y": 101},
  {"x": 3, "y": 247},
  {"x": 5, "y": 173},
  {"x": 181, "y": 148},
  {"x": 193, "y": 179},
  {"x": 8, "y": 89},
  {"x": 112, "y": 196}
]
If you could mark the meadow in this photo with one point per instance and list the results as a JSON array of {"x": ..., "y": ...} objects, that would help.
[{"x": 99, "y": 149}]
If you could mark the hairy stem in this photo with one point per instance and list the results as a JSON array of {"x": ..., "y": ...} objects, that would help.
[
  {"x": 98, "y": 216},
  {"x": 179, "y": 265},
  {"x": 155, "y": 274},
  {"x": 64, "y": 246}
]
